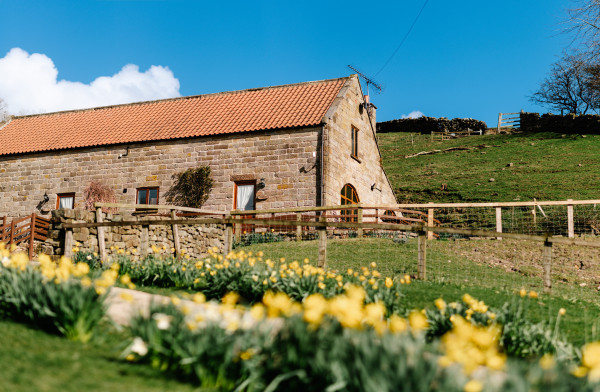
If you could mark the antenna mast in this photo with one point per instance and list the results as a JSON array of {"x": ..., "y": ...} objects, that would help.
[{"x": 367, "y": 80}]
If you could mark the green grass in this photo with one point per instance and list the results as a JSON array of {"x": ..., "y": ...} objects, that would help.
[
  {"x": 545, "y": 167},
  {"x": 450, "y": 275},
  {"x": 31, "y": 360}
]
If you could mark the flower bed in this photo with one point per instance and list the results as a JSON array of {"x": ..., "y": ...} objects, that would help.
[
  {"x": 59, "y": 297},
  {"x": 343, "y": 343},
  {"x": 292, "y": 326}
]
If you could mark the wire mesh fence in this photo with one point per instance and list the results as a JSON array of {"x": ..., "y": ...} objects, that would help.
[
  {"x": 451, "y": 258},
  {"x": 447, "y": 244}
]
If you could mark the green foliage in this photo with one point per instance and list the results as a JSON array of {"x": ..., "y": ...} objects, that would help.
[
  {"x": 251, "y": 277},
  {"x": 33, "y": 360},
  {"x": 257, "y": 238},
  {"x": 206, "y": 357},
  {"x": 545, "y": 167},
  {"x": 290, "y": 355},
  {"x": 525, "y": 339},
  {"x": 191, "y": 187},
  {"x": 66, "y": 308}
]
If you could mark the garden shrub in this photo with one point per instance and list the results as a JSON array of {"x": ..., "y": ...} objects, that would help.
[{"x": 191, "y": 187}]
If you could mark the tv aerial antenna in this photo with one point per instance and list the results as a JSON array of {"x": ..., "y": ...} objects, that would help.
[{"x": 368, "y": 80}]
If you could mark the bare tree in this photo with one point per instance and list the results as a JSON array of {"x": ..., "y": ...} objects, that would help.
[
  {"x": 3, "y": 110},
  {"x": 584, "y": 22},
  {"x": 572, "y": 86}
]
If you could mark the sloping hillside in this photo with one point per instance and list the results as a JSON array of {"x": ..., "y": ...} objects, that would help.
[{"x": 518, "y": 167}]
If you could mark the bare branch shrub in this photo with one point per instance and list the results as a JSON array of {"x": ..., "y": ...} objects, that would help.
[{"x": 96, "y": 192}]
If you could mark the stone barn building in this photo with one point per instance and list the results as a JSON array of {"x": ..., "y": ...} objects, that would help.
[{"x": 298, "y": 145}]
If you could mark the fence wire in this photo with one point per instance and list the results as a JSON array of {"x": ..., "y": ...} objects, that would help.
[{"x": 461, "y": 260}]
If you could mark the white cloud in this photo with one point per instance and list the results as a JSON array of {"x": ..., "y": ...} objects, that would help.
[
  {"x": 413, "y": 114},
  {"x": 29, "y": 84}
]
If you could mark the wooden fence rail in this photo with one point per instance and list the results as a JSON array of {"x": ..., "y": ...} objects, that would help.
[
  {"x": 408, "y": 213},
  {"x": 322, "y": 225}
]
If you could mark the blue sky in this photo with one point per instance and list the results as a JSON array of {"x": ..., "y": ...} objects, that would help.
[{"x": 462, "y": 59}]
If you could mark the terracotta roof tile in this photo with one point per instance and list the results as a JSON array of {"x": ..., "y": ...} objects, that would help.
[{"x": 287, "y": 106}]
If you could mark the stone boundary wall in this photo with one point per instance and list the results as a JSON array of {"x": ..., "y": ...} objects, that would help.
[
  {"x": 568, "y": 123},
  {"x": 195, "y": 240},
  {"x": 426, "y": 125}
]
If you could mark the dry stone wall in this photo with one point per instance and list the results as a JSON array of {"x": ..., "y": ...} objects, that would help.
[{"x": 195, "y": 240}]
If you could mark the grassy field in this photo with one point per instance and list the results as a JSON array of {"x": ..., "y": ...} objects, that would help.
[
  {"x": 545, "y": 166},
  {"x": 32, "y": 360},
  {"x": 455, "y": 268}
]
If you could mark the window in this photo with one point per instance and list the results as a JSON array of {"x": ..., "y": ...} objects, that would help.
[
  {"x": 244, "y": 195},
  {"x": 147, "y": 195},
  {"x": 354, "y": 152},
  {"x": 349, "y": 196},
  {"x": 65, "y": 200}
]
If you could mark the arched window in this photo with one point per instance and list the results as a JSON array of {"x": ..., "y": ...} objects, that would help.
[{"x": 349, "y": 196}]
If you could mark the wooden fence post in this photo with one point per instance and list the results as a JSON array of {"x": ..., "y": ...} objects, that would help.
[
  {"x": 499, "y": 221},
  {"x": 359, "y": 230},
  {"x": 68, "y": 243},
  {"x": 299, "y": 227},
  {"x": 228, "y": 246},
  {"x": 570, "y": 222},
  {"x": 547, "y": 260},
  {"x": 430, "y": 222},
  {"x": 175, "y": 230},
  {"x": 238, "y": 231},
  {"x": 499, "y": 122},
  {"x": 322, "y": 263},
  {"x": 12, "y": 232},
  {"x": 145, "y": 241},
  {"x": 101, "y": 244},
  {"x": 422, "y": 254},
  {"x": 31, "y": 236}
]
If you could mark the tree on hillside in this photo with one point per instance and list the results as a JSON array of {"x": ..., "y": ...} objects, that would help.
[{"x": 573, "y": 86}]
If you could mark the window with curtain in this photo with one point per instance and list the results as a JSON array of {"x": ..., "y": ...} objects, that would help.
[
  {"x": 244, "y": 196},
  {"x": 147, "y": 195},
  {"x": 65, "y": 200},
  {"x": 349, "y": 196}
]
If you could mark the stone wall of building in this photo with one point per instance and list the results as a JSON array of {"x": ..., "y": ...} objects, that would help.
[
  {"x": 340, "y": 167},
  {"x": 286, "y": 159},
  {"x": 195, "y": 240}
]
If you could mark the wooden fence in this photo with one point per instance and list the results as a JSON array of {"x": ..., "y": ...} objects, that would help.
[
  {"x": 447, "y": 135},
  {"x": 323, "y": 221},
  {"x": 30, "y": 228}
]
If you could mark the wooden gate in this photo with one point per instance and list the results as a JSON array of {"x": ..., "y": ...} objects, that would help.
[{"x": 30, "y": 228}]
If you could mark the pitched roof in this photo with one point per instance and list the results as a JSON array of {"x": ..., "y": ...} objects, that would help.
[{"x": 293, "y": 105}]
